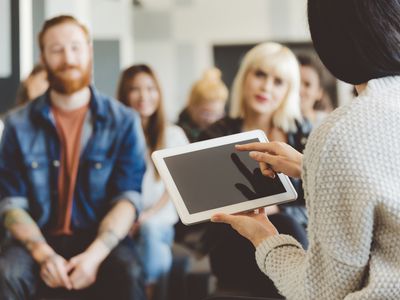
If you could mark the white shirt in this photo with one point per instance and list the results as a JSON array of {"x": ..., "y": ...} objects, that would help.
[{"x": 153, "y": 189}]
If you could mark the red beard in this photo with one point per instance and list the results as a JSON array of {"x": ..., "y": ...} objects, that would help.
[{"x": 64, "y": 84}]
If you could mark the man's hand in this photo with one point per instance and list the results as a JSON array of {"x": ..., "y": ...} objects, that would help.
[
  {"x": 84, "y": 268},
  {"x": 54, "y": 272},
  {"x": 53, "y": 267},
  {"x": 275, "y": 157},
  {"x": 254, "y": 226},
  {"x": 113, "y": 228}
]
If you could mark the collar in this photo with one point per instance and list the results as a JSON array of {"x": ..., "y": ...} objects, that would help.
[{"x": 42, "y": 106}]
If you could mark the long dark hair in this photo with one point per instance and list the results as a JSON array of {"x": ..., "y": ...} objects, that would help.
[
  {"x": 357, "y": 40},
  {"x": 23, "y": 96},
  {"x": 155, "y": 128}
]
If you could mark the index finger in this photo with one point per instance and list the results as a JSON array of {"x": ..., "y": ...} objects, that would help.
[
  {"x": 258, "y": 146},
  {"x": 61, "y": 269}
]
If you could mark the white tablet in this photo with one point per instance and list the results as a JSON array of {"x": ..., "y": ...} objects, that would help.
[{"x": 211, "y": 176}]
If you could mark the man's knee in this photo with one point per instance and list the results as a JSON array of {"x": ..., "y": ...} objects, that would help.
[
  {"x": 12, "y": 281},
  {"x": 123, "y": 265}
]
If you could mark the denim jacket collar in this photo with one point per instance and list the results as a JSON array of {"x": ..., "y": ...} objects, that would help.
[{"x": 42, "y": 109}]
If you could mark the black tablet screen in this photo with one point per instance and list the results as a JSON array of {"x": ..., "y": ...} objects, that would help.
[{"x": 219, "y": 176}]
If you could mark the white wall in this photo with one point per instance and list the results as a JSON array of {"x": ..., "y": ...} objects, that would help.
[
  {"x": 106, "y": 20},
  {"x": 5, "y": 38}
]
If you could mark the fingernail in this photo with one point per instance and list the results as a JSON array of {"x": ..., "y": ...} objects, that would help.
[
  {"x": 252, "y": 153},
  {"x": 214, "y": 219}
]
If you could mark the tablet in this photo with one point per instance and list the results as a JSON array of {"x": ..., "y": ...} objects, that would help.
[{"x": 211, "y": 176}]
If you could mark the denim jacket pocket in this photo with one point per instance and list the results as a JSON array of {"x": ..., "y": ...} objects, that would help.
[
  {"x": 38, "y": 174},
  {"x": 37, "y": 168},
  {"x": 99, "y": 169}
]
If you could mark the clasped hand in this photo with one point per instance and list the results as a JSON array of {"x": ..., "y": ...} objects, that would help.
[
  {"x": 273, "y": 157},
  {"x": 78, "y": 273}
]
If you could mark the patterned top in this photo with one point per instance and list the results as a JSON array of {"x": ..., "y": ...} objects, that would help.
[{"x": 352, "y": 185}]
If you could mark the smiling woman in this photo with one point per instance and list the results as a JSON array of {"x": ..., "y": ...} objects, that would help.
[
  {"x": 139, "y": 89},
  {"x": 265, "y": 95}
]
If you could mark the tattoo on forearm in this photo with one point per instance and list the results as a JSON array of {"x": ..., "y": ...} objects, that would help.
[
  {"x": 109, "y": 238},
  {"x": 17, "y": 217},
  {"x": 33, "y": 241},
  {"x": 23, "y": 228}
]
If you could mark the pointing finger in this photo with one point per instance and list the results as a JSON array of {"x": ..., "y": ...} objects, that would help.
[{"x": 263, "y": 147}]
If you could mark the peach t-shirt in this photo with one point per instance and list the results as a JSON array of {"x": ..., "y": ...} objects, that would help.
[{"x": 69, "y": 128}]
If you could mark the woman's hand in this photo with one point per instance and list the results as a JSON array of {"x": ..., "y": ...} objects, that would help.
[
  {"x": 254, "y": 226},
  {"x": 275, "y": 157}
]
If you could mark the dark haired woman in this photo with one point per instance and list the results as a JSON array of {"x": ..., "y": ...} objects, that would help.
[
  {"x": 314, "y": 101},
  {"x": 350, "y": 167},
  {"x": 140, "y": 90},
  {"x": 33, "y": 86}
]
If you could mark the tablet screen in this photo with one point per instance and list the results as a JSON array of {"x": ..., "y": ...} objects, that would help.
[{"x": 220, "y": 176}]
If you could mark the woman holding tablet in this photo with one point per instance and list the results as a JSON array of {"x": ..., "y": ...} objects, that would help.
[
  {"x": 350, "y": 167},
  {"x": 265, "y": 95},
  {"x": 140, "y": 90}
]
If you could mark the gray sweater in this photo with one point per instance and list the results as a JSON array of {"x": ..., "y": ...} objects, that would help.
[{"x": 351, "y": 179}]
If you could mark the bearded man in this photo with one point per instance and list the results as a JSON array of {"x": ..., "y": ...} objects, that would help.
[{"x": 71, "y": 168}]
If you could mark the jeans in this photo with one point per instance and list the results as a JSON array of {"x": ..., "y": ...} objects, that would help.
[
  {"x": 119, "y": 276},
  {"x": 154, "y": 248}
]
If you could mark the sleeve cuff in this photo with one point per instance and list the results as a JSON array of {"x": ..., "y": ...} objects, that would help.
[
  {"x": 133, "y": 197},
  {"x": 9, "y": 203},
  {"x": 271, "y": 243}
]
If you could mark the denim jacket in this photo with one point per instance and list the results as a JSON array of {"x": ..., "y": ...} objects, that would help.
[{"x": 111, "y": 166}]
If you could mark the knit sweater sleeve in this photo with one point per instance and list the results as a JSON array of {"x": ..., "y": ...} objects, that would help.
[{"x": 340, "y": 227}]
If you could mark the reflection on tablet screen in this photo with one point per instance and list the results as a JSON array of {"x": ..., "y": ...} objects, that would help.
[{"x": 220, "y": 176}]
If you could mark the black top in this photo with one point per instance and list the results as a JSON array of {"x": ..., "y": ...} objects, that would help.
[
  {"x": 191, "y": 129},
  {"x": 232, "y": 256}
]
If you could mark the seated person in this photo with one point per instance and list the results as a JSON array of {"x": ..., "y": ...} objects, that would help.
[
  {"x": 312, "y": 94},
  {"x": 71, "y": 169},
  {"x": 35, "y": 85},
  {"x": 265, "y": 95},
  {"x": 153, "y": 231},
  {"x": 206, "y": 104}
]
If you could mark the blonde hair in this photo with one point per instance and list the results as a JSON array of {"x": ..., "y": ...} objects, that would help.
[
  {"x": 209, "y": 88},
  {"x": 281, "y": 60}
]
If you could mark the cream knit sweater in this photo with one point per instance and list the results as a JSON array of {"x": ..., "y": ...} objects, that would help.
[{"x": 351, "y": 175}]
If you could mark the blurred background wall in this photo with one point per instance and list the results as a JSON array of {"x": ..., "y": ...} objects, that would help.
[{"x": 177, "y": 37}]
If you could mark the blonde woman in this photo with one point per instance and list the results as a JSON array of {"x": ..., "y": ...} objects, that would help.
[
  {"x": 206, "y": 104},
  {"x": 265, "y": 95}
]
